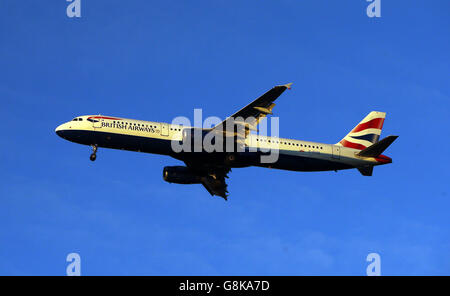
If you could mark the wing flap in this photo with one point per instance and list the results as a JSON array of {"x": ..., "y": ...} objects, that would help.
[
  {"x": 213, "y": 177},
  {"x": 216, "y": 186}
]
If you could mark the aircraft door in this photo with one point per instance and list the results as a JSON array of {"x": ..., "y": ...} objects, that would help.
[
  {"x": 164, "y": 129},
  {"x": 336, "y": 152}
]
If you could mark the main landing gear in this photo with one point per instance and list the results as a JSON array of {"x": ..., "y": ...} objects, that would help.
[{"x": 94, "y": 153}]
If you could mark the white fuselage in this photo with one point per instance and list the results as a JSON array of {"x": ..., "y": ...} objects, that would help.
[{"x": 155, "y": 137}]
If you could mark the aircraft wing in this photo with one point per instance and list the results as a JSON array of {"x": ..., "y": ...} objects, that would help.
[
  {"x": 249, "y": 116},
  {"x": 213, "y": 178},
  {"x": 216, "y": 186}
]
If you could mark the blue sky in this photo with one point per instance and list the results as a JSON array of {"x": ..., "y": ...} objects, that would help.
[{"x": 155, "y": 60}]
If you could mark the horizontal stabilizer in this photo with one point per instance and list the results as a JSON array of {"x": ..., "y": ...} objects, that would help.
[
  {"x": 366, "y": 171},
  {"x": 377, "y": 148}
]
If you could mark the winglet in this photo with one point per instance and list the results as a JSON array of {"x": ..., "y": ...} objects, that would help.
[{"x": 288, "y": 86}]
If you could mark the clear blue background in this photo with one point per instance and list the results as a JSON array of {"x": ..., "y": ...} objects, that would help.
[{"x": 155, "y": 60}]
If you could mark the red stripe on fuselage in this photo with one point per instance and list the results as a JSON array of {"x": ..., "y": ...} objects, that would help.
[
  {"x": 376, "y": 123},
  {"x": 348, "y": 144},
  {"x": 105, "y": 117}
]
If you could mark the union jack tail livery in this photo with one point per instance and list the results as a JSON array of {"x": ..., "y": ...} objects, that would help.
[{"x": 366, "y": 133}]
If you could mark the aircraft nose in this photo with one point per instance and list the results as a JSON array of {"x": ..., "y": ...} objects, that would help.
[{"x": 59, "y": 130}]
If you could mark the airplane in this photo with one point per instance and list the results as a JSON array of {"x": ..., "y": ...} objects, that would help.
[{"x": 360, "y": 148}]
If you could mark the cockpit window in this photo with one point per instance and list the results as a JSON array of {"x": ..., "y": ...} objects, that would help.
[
  {"x": 80, "y": 119},
  {"x": 75, "y": 119}
]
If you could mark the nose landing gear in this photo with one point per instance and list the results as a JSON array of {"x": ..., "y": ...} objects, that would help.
[{"x": 94, "y": 153}]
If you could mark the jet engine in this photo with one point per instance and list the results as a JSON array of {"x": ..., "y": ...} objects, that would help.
[{"x": 180, "y": 175}]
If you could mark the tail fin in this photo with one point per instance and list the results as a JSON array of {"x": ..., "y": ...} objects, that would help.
[{"x": 366, "y": 133}]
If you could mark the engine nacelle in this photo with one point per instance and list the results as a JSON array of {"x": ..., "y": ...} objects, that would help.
[{"x": 180, "y": 175}]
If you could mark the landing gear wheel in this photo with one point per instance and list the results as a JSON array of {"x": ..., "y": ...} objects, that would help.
[
  {"x": 94, "y": 153},
  {"x": 231, "y": 157}
]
